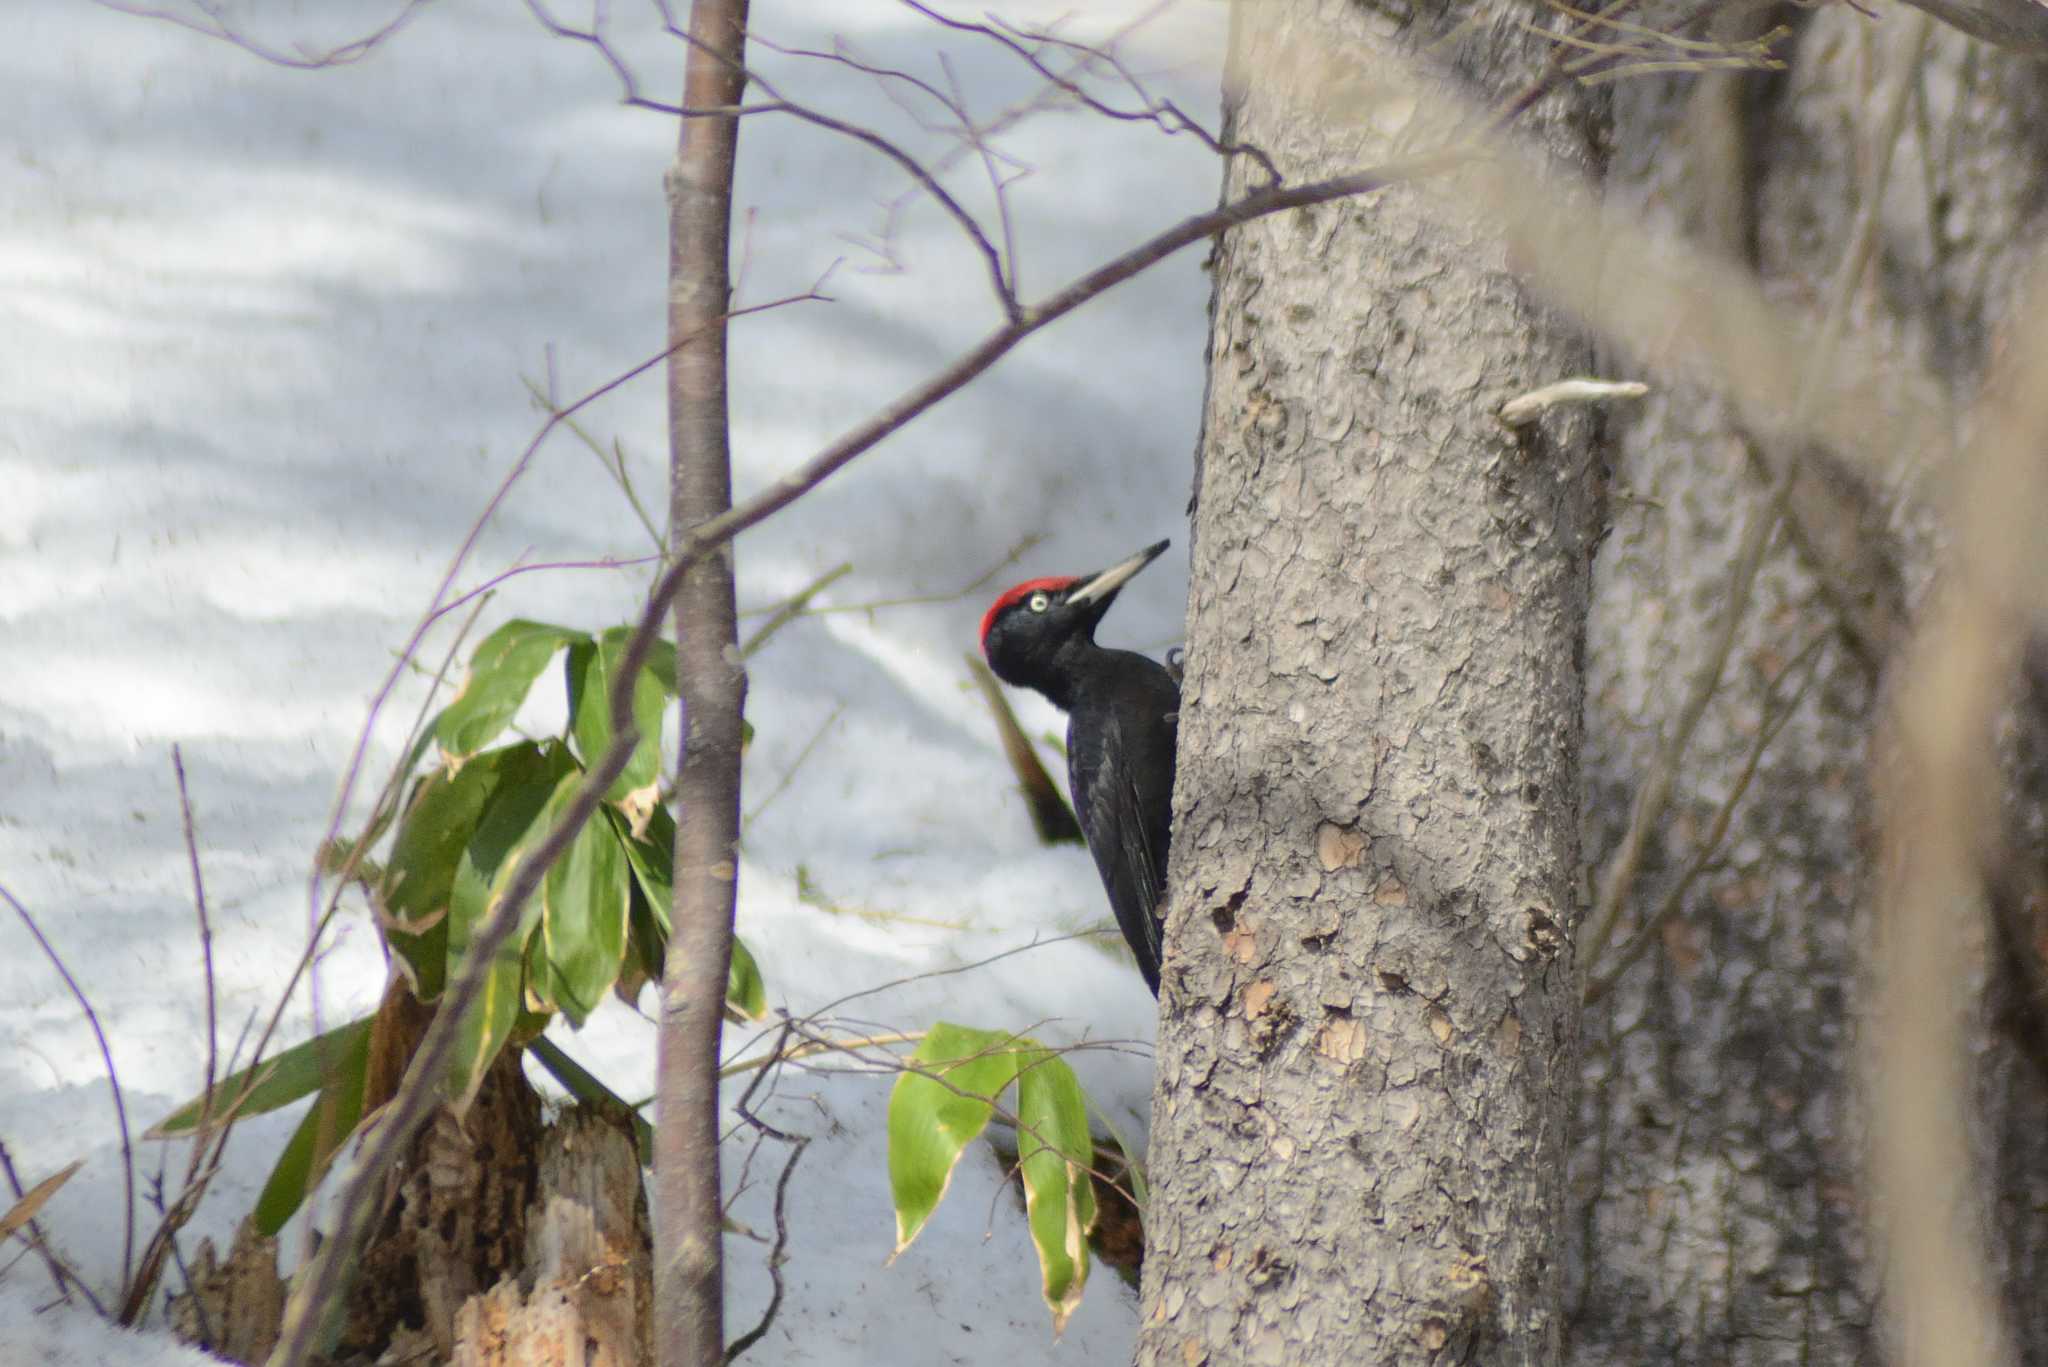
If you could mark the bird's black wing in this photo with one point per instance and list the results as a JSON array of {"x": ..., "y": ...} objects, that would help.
[{"x": 1121, "y": 770}]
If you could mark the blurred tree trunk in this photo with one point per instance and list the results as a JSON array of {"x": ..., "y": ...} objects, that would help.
[
  {"x": 1369, "y": 1034},
  {"x": 1367, "y": 1042},
  {"x": 1719, "y": 1194}
]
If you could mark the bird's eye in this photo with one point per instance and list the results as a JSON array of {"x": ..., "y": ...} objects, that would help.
[{"x": 1039, "y": 602}]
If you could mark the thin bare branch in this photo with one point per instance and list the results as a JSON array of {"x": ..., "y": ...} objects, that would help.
[
  {"x": 99, "y": 1035},
  {"x": 789, "y": 774},
  {"x": 32, "y": 1234},
  {"x": 793, "y": 607},
  {"x": 1524, "y": 409},
  {"x": 205, "y": 931},
  {"x": 1163, "y": 114},
  {"x": 871, "y": 605},
  {"x": 209, "y": 18},
  {"x": 778, "y": 1251}
]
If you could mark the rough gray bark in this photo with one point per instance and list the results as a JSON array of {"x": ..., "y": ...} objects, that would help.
[
  {"x": 1719, "y": 1189},
  {"x": 1369, "y": 1019}
]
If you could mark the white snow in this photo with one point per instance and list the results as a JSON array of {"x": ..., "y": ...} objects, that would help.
[{"x": 264, "y": 343}]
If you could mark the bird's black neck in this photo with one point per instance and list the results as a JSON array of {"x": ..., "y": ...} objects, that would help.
[{"x": 1083, "y": 671}]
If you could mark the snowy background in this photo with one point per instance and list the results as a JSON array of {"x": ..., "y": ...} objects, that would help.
[{"x": 265, "y": 340}]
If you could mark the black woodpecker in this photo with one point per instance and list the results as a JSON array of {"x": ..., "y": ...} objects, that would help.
[{"x": 1122, "y": 711}]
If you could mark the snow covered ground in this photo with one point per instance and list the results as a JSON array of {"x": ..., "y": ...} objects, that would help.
[{"x": 265, "y": 337}]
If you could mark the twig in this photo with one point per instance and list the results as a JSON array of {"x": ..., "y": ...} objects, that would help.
[
  {"x": 789, "y": 774},
  {"x": 214, "y": 24},
  {"x": 1524, "y": 409},
  {"x": 784, "y": 1054},
  {"x": 777, "y": 103},
  {"x": 113, "y": 1078},
  {"x": 199, "y": 1171},
  {"x": 1010, "y": 557},
  {"x": 62, "y": 1275},
  {"x": 614, "y": 464},
  {"x": 205, "y": 932},
  {"x": 797, "y": 1143},
  {"x": 776, "y": 1252},
  {"x": 1163, "y": 114},
  {"x": 497, "y": 581},
  {"x": 793, "y": 607}
]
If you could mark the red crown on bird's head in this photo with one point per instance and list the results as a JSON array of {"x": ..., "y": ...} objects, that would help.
[{"x": 1017, "y": 593}]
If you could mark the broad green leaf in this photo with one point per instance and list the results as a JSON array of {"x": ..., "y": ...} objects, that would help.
[
  {"x": 745, "y": 992},
  {"x": 501, "y": 672},
  {"x": 1054, "y": 1153},
  {"x": 593, "y": 672},
  {"x": 585, "y": 898},
  {"x": 440, "y": 821},
  {"x": 275, "y": 1081},
  {"x": 643, "y": 950},
  {"x": 652, "y": 858},
  {"x": 328, "y": 1123},
  {"x": 511, "y": 824},
  {"x": 647, "y": 924},
  {"x": 935, "y": 1113}
]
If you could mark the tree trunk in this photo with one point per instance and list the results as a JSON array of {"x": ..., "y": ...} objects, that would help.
[
  {"x": 689, "y": 1268},
  {"x": 1369, "y": 1025},
  {"x": 1718, "y": 1194}
]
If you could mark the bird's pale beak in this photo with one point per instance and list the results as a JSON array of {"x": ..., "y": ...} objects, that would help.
[{"x": 1105, "y": 584}]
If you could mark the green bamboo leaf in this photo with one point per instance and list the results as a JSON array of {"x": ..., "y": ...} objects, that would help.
[
  {"x": 511, "y": 825},
  {"x": 1054, "y": 1153},
  {"x": 327, "y": 1125},
  {"x": 593, "y": 672},
  {"x": 501, "y": 673},
  {"x": 934, "y": 1114},
  {"x": 651, "y": 859},
  {"x": 585, "y": 899},
  {"x": 652, "y": 856},
  {"x": 643, "y": 950},
  {"x": 275, "y": 1081},
  {"x": 745, "y": 992},
  {"x": 440, "y": 820}
]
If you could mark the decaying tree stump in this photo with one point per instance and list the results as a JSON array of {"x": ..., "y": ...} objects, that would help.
[
  {"x": 456, "y": 1223},
  {"x": 587, "y": 1291},
  {"x": 506, "y": 1243}
]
